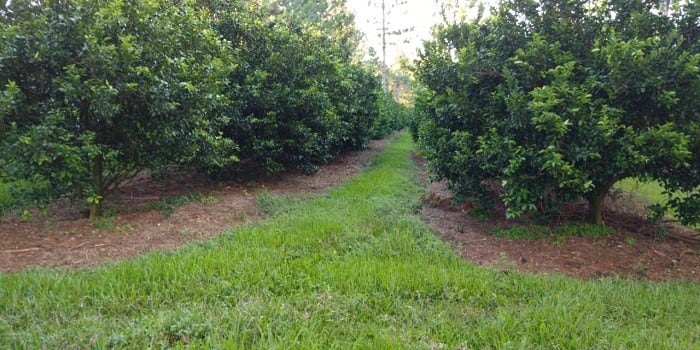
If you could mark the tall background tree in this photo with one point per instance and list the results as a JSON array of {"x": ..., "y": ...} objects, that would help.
[{"x": 330, "y": 16}]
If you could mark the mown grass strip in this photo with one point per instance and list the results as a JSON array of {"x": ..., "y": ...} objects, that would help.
[{"x": 353, "y": 268}]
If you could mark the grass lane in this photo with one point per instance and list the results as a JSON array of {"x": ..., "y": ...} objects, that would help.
[{"x": 354, "y": 268}]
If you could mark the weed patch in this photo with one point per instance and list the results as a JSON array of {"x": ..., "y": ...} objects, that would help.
[
  {"x": 168, "y": 205},
  {"x": 271, "y": 204},
  {"x": 105, "y": 223},
  {"x": 555, "y": 233}
]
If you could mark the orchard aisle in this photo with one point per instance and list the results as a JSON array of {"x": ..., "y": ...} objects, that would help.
[
  {"x": 156, "y": 215},
  {"x": 351, "y": 268}
]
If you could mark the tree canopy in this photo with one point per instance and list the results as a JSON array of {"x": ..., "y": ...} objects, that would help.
[
  {"x": 558, "y": 100},
  {"x": 95, "y": 91}
]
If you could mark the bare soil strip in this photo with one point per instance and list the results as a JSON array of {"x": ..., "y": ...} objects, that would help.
[
  {"x": 65, "y": 238},
  {"x": 634, "y": 250}
]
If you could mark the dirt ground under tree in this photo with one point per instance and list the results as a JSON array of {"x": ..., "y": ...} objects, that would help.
[
  {"x": 146, "y": 218},
  {"x": 635, "y": 248}
]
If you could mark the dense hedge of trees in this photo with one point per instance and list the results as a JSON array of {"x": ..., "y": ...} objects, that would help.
[
  {"x": 552, "y": 101},
  {"x": 95, "y": 91},
  {"x": 392, "y": 116},
  {"x": 298, "y": 103}
]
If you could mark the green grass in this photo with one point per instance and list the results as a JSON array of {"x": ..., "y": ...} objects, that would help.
[
  {"x": 651, "y": 192},
  {"x": 353, "y": 268},
  {"x": 168, "y": 205},
  {"x": 554, "y": 233}
]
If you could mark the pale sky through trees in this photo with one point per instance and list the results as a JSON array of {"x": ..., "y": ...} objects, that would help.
[{"x": 421, "y": 15}]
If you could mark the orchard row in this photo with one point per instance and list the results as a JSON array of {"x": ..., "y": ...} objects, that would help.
[
  {"x": 95, "y": 91},
  {"x": 542, "y": 103}
]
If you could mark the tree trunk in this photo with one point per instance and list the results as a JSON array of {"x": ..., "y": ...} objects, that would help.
[
  {"x": 98, "y": 190},
  {"x": 665, "y": 7},
  {"x": 96, "y": 210},
  {"x": 595, "y": 204},
  {"x": 595, "y": 209}
]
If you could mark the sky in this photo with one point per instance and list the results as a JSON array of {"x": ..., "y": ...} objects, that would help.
[{"x": 421, "y": 15}]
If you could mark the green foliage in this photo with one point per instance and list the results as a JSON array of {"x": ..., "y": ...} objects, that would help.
[
  {"x": 356, "y": 99},
  {"x": 18, "y": 195},
  {"x": 559, "y": 100},
  {"x": 392, "y": 116},
  {"x": 95, "y": 91},
  {"x": 5, "y": 197},
  {"x": 298, "y": 102},
  {"x": 330, "y": 274}
]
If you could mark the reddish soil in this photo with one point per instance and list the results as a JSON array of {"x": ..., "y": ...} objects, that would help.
[
  {"x": 65, "y": 238},
  {"x": 633, "y": 250}
]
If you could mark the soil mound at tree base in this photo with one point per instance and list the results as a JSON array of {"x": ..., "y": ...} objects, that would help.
[{"x": 634, "y": 249}]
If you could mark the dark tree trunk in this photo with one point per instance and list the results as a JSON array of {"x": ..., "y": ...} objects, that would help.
[
  {"x": 595, "y": 204},
  {"x": 98, "y": 189},
  {"x": 595, "y": 209}
]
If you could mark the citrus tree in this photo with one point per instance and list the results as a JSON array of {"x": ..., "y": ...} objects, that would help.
[
  {"x": 96, "y": 91},
  {"x": 554, "y": 101},
  {"x": 300, "y": 100}
]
